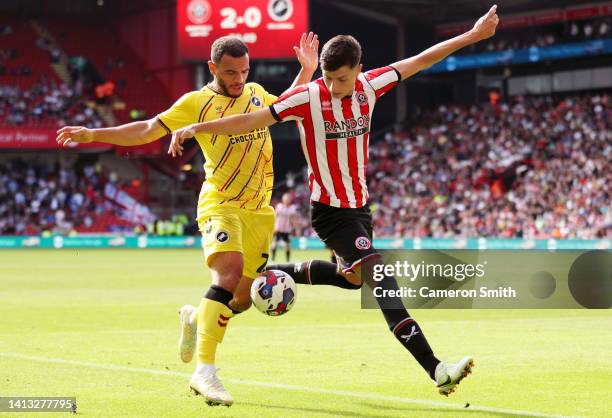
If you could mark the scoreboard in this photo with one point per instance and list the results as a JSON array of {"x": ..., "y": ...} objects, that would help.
[{"x": 270, "y": 28}]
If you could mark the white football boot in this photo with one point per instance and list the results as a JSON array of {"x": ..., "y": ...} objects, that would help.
[
  {"x": 189, "y": 328},
  {"x": 210, "y": 387},
  {"x": 448, "y": 375}
]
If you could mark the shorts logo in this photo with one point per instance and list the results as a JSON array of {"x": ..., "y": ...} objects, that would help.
[
  {"x": 222, "y": 236},
  {"x": 363, "y": 243},
  {"x": 362, "y": 98},
  {"x": 255, "y": 101},
  {"x": 208, "y": 226}
]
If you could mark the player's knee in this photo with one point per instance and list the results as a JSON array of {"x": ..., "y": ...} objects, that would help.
[
  {"x": 353, "y": 279},
  {"x": 354, "y": 276},
  {"x": 228, "y": 281}
]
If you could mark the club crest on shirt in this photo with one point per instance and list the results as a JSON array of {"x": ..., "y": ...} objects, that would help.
[
  {"x": 362, "y": 98},
  {"x": 255, "y": 101}
]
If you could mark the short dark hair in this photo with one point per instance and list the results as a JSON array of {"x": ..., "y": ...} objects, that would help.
[
  {"x": 340, "y": 50},
  {"x": 229, "y": 45}
]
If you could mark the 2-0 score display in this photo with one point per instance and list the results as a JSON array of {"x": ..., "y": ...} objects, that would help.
[{"x": 270, "y": 28}]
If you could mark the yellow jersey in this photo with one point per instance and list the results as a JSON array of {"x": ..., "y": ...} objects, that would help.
[{"x": 238, "y": 168}]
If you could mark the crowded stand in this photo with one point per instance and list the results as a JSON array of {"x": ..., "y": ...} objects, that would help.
[
  {"x": 47, "y": 104},
  {"x": 545, "y": 35},
  {"x": 32, "y": 95},
  {"x": 531, "y": 167},
  {"x": 38, "y": 197}
]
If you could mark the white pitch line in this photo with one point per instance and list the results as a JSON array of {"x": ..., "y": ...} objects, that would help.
[{"x": 295, "y": 388}]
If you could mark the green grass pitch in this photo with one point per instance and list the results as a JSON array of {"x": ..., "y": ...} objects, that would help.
[{"x": 102, "y": 326}]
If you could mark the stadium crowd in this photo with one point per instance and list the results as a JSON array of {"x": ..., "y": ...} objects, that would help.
[
  {"x": 542, "y": 36},
  {"x": 46, "y": 103},
  {"x": 532, "y": 167},
  {"x": 37, "y": 197}
]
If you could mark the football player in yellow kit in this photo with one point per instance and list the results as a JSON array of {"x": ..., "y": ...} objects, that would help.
[{"x": 234, "y": 212}]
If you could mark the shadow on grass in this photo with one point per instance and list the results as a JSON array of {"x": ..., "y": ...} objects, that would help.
[
  {"x": 383, "y": 410},
  {"x": 437, "y": 410},
  {"x": 330, "y": 411}
]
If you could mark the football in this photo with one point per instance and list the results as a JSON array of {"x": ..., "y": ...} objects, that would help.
[{"x": 274, "y": 292}]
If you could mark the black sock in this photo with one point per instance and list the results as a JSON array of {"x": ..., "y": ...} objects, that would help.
[
  {"x": 288, "y": 253},
  {"x": 273, "y": 253},
  {"x": 221, "y": 295},
  {"x": 315, "y": 272},
  {"x": 406, "y": 329}
]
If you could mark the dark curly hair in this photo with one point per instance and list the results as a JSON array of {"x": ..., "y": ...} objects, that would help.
[
  {"x": 229, "y": 45},
  {"x": 340, "y": 50}
]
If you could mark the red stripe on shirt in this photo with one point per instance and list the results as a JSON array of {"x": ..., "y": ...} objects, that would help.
[
  {"x": 311, "y": 149},
  {"x": 331, "y": 148},
  {"x": 294, "y": 111},
  {"x": 372, "y": 74},
  {"x": 351, "y": 145},
  {"x": 292, "y": 92},
  {"x": 365, "y": 110}
]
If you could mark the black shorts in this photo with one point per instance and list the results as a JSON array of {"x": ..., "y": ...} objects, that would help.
[
  {"x": 282, "y": 236},
  {"x": 347, "y": 231}
]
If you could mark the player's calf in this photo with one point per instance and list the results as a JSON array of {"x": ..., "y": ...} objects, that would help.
[
  {"x": 240, "y": 303},
  {"x": 317, "y": 272}
]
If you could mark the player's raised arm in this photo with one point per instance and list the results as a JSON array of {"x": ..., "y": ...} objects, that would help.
[
  {"x": 308, "y": 56},
  {"x": 232, "y": 125},
  {"x": 129, "y": 134},
  {"x": 483, "y": 29}
]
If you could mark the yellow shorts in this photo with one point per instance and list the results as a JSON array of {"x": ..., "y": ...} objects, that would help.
[{"x": 246, "y": 231}]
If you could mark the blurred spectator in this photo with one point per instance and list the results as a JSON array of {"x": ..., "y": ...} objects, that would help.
[
  {"x": 587, "y": 30},
  {"x": 6, "y": 30},
  {"x": 137, "y": 114},
  {"x": 104, "y": 91}
]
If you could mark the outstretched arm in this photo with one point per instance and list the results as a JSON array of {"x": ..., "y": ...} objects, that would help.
[
  {"x": 308, "y": 56},
  {"x": 232, "y": 125},
  {"x": 130, "y": 134},
  {"x": 483, "y": 29}
]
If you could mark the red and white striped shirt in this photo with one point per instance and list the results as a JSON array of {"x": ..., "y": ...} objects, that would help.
[
  {"x": 334, "y": 134},
  {"x": 284, "y": 217}
]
